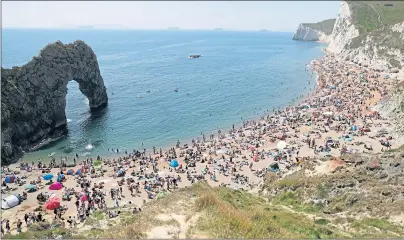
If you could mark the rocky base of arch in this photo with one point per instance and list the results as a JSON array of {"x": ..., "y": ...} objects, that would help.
[{"x": 33, "y": 96}]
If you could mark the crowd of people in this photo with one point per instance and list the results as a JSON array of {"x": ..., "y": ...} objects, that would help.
[{"x": 336, "y": 119}]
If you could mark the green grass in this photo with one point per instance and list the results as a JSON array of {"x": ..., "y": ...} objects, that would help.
[
  {"x": 372, "y": 226},
  {"x": 375, "y": 19},
  {"x": 98, "y": 215},
  {"x": 321, "y": 221},
  {"x": 35, "y": 233},
  {"x": 256, "y": 220},
  {"x": 325, "y": 26},
  {"x": 366, "y": 14}
]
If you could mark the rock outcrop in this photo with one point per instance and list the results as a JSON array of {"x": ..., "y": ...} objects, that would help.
[
  {"x": 370, "y": 33},
  {"x": 34, "y": 95},
  {"x": 392, "y": 107},
  {"x": 320, "y": 31}
]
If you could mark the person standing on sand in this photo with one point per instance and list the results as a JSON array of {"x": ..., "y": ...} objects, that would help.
[
  {"x": 8, "y": 226},
  {"x": 2, "y": 229},
  {"x": 19, "y": 224}
]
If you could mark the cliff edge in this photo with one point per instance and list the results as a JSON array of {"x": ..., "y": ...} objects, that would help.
[
  {"x": 370, "y": 33},
  {"x": 34, "y": 95},
  {"x": 320, "y": 31}
]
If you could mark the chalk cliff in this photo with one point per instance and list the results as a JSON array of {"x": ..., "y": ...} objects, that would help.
[
  {"x": 33, "y": 96},
  {"x": 392, "y": 107},
  {"x": 320, "y": 31},
  {"x": 370, "y": 33}
]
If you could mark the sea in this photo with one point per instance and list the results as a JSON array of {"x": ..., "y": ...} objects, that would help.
[{"x": 241, "y": 75}]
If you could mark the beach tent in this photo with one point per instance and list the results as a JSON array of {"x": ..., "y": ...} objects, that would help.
[
  {"x": 52, "y": 203},
  {"x": 10, "y": 179},
  {"x": 121, "y": 172},
  {"x": 204, "y": 171},
  {"x": 174, "y": 163},
  {"x": 10, "y": 202},
  {"x": 60, "y": 177},
  {"x": 78, "y": 172},
  {"x": 281, "y": 145},
  {"x": 56, "y": 186},
  {"x": 220, "y": 151},
  {"x": 274, "y": 166},
  {"x": 70, "y": 172},
  {"x": 48, "y": 177},
  {"x": 29, "y": 186}
]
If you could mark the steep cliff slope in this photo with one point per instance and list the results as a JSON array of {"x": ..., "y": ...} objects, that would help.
[
  {"x": 392, "y": 107},
  {"x": 315, "y": 31},
  {"x": 33, "y": 97},
  {"x": 370, "y": 33}
]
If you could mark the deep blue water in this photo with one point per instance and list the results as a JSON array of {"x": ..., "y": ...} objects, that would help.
[{"x": 239, "y": 76}]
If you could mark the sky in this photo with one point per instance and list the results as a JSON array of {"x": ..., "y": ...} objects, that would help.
[{"x": 236, "y": 15}]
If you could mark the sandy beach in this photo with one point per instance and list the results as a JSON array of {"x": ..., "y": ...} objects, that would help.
[{"x": 337, "y": 118}]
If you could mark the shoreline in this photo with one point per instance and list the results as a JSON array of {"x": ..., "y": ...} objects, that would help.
[
  {"x": 247, "y": 153},
  {"x": 307, "y": 94}
]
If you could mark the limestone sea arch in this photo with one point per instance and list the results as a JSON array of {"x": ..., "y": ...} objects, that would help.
[{"x": 33, "y": 96}]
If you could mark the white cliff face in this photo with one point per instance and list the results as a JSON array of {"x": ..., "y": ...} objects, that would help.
[
  {"x": 373, "y": 51},
  {"x": 344, "y": 30},
  {"x": 306, "y": 34},
  {"x": 392, "y": 107}
]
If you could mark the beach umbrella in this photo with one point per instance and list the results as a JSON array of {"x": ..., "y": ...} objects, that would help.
[
  {"x": 52, "y": 203},
  {"x": 29, "y": 186},
  {"x": 174, "y": 163},
  {"x": 281, "y": 145},
  {"x": 252, "y": 148},
  {"x": 97, "y": 163},
  {"x": 84, "y": 198},
  {"x": 70, "y": 172},
  {"x": 9, "y": 179},
  {"x": 56, "y": 186},
  {"x": 48, "y": 177}
]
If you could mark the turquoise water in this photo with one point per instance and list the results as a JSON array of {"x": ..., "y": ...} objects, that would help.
[{"x": 239, "y": 76}]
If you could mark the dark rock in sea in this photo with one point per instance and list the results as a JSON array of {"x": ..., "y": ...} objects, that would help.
[{"x": 34, "y": 95}]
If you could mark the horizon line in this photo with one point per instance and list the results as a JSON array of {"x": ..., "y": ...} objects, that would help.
[{"x": 145, "y": 29}]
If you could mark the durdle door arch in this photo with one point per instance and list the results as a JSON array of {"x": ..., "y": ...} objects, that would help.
[{"x": 34, "y": 96}]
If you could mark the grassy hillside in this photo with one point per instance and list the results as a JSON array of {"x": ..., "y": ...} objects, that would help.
[
  {"x": 204, "y": 212},
  {"x": 325, "y": 26},
  {"x": 373, "y": 15},
  {"x": 375, "y": 18}
]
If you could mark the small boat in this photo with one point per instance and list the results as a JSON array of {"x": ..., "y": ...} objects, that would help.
[
  {"x": 194, "y": 56},
  {"x": 148, "y": 91},
  {"x": 176, "y": 90}
]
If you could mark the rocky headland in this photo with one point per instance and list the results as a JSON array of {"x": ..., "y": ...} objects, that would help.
[
  {"x": 370, "y": 34},
  {"x": 320, "y": 31},
  {"x": 34, "y": 95}
]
